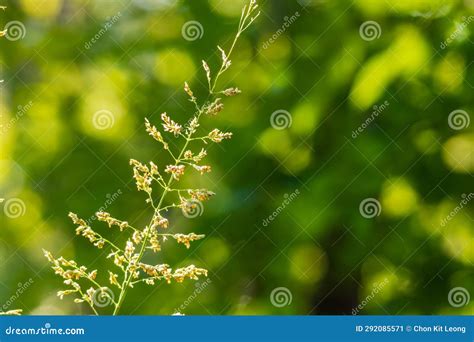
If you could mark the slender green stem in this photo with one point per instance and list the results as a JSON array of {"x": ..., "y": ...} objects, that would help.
[
  {"x": 127, "y": 280},
  {"x": 91, "y": 305},
  {"x": 243, "y": 25}
]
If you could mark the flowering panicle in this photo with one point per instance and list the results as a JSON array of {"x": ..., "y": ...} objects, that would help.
[
  {"x": 16, "y": 312},
  {"x": 231, "y": 92},
  {"x": 186, "y": 239},
  {"x": 193, "y": 125},
  {"x": 153, "y": 131},
  {"x": 214, "y": 107},
  {"x": 170, "y": 126},
  {"x": 105, "y": 217},
  {"x": 200, "y": 195},
  {"x": 163, "y": 194},
  {"x": 202, "y": 168},
  {"x": 217, "y": 136},
  {"x": 188, "y": 91},
  {"x": 159, "y": 221},
  {"x": 208, "y": 72},
  {"x": 164, "y": 272},
  {"x": 176, "y": 171},
  {"x": 189, "y": 155},
  {"x": 142, "y": 175}
]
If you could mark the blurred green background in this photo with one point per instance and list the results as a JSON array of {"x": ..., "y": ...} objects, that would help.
[{"x": 325, "y": 73}]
